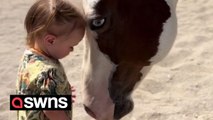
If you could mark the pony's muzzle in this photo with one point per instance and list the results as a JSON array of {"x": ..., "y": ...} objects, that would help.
[{"x": 89, "y": 111}]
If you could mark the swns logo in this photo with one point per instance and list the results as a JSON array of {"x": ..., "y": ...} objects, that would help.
[{"x": 42, "y": 102}]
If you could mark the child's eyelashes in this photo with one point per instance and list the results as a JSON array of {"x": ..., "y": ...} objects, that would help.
[{"x": 71, "y": 48}]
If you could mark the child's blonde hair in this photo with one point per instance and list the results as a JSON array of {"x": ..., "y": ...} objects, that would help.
[{"x": 44, "y": 13}]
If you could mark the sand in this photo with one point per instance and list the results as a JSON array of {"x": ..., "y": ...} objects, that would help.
[{"x": 178, "y": 88}]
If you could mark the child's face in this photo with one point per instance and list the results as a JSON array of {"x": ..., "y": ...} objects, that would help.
[{"x": 64, "y": 44}]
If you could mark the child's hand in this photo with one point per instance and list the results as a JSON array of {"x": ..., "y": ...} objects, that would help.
[{"x": 73, "y": 94}]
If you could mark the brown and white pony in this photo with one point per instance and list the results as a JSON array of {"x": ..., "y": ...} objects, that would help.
[{"x": 123, "y": 40}]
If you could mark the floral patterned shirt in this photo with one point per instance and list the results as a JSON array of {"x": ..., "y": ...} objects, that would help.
[{"x": 40, "y": 75}]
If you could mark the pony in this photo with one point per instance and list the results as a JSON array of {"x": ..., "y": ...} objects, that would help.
[{"x": 123, "y": 40}]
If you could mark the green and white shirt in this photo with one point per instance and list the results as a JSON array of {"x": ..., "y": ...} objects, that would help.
[{"x": 40, "y": 75}]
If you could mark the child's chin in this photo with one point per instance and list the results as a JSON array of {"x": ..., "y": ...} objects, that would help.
[{"x": 61, "y": 57}]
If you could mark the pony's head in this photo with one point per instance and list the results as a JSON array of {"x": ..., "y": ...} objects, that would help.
[{"x": 123, "y": 39}]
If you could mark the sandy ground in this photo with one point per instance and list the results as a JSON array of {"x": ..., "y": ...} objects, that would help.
[{"x": 178, "y": 88}]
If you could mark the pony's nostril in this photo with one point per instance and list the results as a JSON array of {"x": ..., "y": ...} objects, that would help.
[
  {"x": 90, "y": 112},
  {"x": 123, "y": 108}
]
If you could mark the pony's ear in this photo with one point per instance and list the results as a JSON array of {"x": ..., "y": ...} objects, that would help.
[{"x": 49, "y": 39}]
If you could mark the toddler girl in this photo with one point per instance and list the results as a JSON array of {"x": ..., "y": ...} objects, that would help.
[{"x": 53, "y": 28}]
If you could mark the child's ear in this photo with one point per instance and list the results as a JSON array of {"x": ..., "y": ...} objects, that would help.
[{"x": 49, "y": 39}]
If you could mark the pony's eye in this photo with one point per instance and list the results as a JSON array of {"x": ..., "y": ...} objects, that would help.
[{"x": 97, "y": 23}]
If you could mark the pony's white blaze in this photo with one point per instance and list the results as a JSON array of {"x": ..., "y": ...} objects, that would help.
[
  {"x": 168, "y": 35},
  {"x": 88, "y": 6},
  {"x": 97, "y": 72}
]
